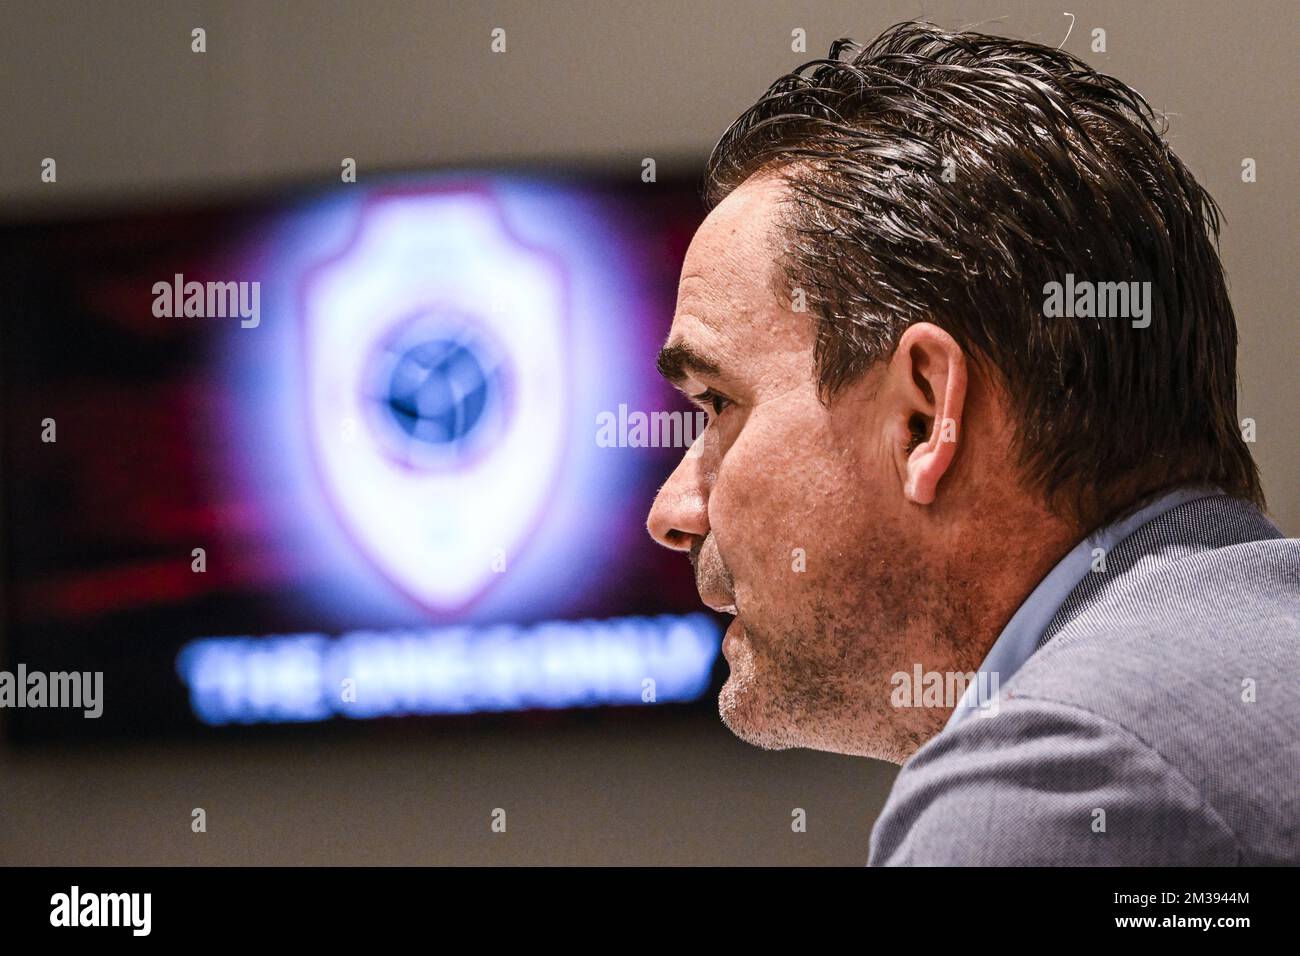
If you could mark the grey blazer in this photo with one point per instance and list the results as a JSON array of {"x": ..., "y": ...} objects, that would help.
[{"x": 1157, "y": 723}]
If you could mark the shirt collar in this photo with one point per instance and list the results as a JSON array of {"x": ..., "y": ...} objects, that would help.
[{"x": 1019, "y": 638}]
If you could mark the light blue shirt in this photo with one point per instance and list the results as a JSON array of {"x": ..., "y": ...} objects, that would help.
[{"x": 1019, "y": 639}]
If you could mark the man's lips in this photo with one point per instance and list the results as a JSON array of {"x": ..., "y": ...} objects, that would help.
[
  {"x": 719, "y": 606},
  {"x": 730, "y": 637}
]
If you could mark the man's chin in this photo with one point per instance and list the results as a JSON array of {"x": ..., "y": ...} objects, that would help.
[
  {"x": 742, "y": 703},
  {"x": 739, "y": 719}
]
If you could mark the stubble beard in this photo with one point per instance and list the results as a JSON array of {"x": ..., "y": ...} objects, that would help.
[{"x": 827, "y": 685}]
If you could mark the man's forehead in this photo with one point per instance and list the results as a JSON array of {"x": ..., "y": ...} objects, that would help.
[
  {"x": 728, "y": 267},
  {"x": 739, "y": 232},
  {"x": 717, "y": 284}
]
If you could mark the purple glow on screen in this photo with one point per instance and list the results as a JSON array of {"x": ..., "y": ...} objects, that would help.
[{"x": 424, "y": 387}]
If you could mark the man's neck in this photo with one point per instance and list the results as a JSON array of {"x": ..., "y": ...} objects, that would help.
[{"x": 991, "y": 569}]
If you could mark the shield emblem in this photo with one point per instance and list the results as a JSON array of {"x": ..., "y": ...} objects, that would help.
[{"x": 436, "y": 358}]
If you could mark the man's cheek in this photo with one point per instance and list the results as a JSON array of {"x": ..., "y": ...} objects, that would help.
[
  {"x": 752, "y": 491},
  {"x": 759, "y": 510}
]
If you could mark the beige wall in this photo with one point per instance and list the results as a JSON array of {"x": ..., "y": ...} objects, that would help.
[{"x": 288, "y": 89}]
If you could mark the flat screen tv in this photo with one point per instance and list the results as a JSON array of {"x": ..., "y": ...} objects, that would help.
[{"x": 370, "y": 452}]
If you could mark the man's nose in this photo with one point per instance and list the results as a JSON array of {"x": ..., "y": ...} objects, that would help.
[{"x": 680, "y": 513}]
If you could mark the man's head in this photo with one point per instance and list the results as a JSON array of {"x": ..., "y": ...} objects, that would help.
[{"x": 904, "y": 436}]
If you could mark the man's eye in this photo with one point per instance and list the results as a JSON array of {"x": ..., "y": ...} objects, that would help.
[{"x": 713, "y": 400}]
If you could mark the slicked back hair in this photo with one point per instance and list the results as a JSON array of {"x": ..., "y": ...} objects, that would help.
[{"x": 949, "y": 178}]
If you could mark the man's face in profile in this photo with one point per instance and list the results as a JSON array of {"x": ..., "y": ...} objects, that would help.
[{"x": 791, "y": 508}]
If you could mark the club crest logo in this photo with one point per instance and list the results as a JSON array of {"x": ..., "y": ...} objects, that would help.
[{"x": 436, "y": 354}]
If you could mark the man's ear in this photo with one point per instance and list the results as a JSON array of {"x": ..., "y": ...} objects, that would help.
[{"x": 928, "y": 387}]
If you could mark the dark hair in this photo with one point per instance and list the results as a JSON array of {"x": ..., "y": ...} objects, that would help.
[{"x": 949, "y": 178}]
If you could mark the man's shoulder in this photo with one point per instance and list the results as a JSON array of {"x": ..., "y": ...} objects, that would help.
[
  {"x": 1197, "y": 630},
  {"x": 1195, "y": 656},
  {"x": 1042, "y": 783},
  {"x": 1213, "y": 563},
  {"x": 1159, "y": 721},
  {"x": 1182, "y": 640}
]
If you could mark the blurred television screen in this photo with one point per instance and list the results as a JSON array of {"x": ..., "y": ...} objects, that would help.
[{"x": 374, "y": 451}]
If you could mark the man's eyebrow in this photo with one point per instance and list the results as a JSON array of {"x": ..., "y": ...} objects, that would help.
[{"x": 677, "y": 360}]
